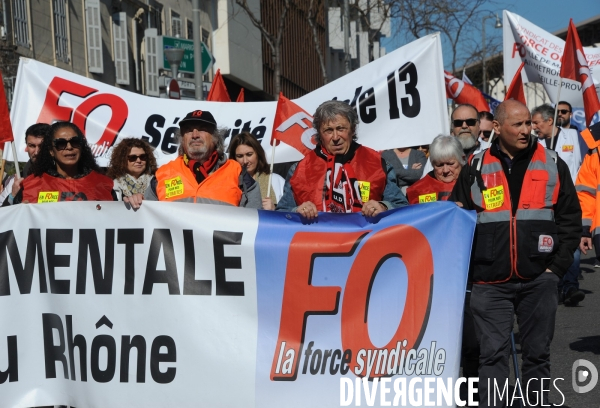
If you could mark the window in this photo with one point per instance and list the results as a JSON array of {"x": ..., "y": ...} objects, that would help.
[
  {"x": 21, "y": 23},
  {"x": 155, "y": 20},
  {"x": 151, "y": 62},
  {"x": 120, "y": 48},
  {"x": 94, "y": 36},
  {"x": 175, "y": 24},
  {"x": 61, "y": 39},
  {"x": 190, "y": 30}
]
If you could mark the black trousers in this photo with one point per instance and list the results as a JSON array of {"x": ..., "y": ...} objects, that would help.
[{"x": 494, "y": 306}]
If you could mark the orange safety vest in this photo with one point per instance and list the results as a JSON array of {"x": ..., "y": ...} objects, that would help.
[
  {"x": 176, "y": 182},
  {"x": 587, "y": 186},
  {"x": 428, "y": 190},
  {"x": 308, "y": 180},
  {"x": 523, "y": 244},
  {"x": 50, "y": 189}
]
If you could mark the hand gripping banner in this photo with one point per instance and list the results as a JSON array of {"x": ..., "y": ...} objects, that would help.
[{"x": 181, "y": 305}]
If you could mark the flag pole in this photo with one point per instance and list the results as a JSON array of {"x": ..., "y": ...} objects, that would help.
[
  {"x": 556, "y": 110},
  {"x": 2, "y": 167},
  {"x": 14, "y": 152},
  {"x": 271, "y": 172}
]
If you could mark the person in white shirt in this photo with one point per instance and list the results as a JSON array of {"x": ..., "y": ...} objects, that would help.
[{"x": 563, "y": 141}]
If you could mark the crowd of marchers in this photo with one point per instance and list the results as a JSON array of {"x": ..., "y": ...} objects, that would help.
[{"x": 535, "y": 197}]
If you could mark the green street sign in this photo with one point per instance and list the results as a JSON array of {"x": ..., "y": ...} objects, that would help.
[{"x": 187, "y": 63}]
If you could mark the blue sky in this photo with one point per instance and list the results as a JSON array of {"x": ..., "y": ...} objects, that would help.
[{"x": 551, "y": 15}]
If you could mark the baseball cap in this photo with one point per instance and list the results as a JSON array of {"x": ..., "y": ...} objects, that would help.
[{"x": 199, "y": 116}]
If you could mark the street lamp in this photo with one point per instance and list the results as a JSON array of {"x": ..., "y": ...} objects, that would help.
[
  {"x": 174, "y": 57},
  {"x": 497, "y": 25}
]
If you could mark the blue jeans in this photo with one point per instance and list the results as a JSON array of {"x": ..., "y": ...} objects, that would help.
[
  {"x": 570, "y": 279},
  {"x": 494, "y": 307}
]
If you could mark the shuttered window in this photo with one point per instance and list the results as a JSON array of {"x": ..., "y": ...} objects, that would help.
[
  {"x": 150, "y": 38},
  {"x": 120, "y": 48},
  {"x": 21, "y": 23},
  {"x": 61, "y": 38},
  {"x": 175, "y": 25},
  {"x": 94, "y": 36}
]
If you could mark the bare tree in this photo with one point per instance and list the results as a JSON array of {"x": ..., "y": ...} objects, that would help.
[
  {"x": 373, "y": 16},
  {"x": 272, "y": 38},
  {"x": 459, "y": 21},
  {"x": 313, "y": 8}
]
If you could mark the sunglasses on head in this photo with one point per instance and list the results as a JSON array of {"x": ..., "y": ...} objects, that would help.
[
  {"x": 459, "y": 122},
  {"x": 485, "y": 134},
  {"x": 564, "y": 111},
  {"x": 132, "y": 158},
  {"x": 61, "y": 143}
]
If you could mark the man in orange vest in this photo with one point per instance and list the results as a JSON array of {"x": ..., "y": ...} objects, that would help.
[
  {"x": 528, "y": 226},
  {"x": 202, "y": 173}
]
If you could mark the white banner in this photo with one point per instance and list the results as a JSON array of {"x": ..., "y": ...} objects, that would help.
[
  {"x": 184, "y": 305},
  {"x": 542, "y": 53},
  {"x": 400, "y": 99}
]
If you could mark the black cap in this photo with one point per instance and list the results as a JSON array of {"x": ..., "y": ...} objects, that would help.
[{"x": 199, "y": 116}]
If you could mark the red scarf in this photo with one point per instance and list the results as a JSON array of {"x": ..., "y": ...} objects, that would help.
[
  {"x": 202, "y": 170},
  {"x": 341, "y": 194}
]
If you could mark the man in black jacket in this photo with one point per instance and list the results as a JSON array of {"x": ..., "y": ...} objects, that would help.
[{"x": 528, "y": 226}]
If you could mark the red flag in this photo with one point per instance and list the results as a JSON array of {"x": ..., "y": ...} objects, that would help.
[
  {"x": 6, "y": 133},
  {"x": 218, "y": 90},
  {"x": 515, "y": 90},
  {"x": 575, "y": 67},
  {"x": 462, "y": 92},
  {"x": 240, "y": 97},
  {"x": 293, "y": 126}
]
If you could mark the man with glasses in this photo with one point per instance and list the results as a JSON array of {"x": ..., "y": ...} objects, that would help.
[
  {"x": 464, "y": 125},
  {"x": 563, "y": 119},
  {"x": 485, "y": 130},
  {"x": 202, "y": 173}
]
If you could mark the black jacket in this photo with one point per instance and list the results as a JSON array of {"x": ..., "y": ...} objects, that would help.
[{"x": 490, "y": 261}]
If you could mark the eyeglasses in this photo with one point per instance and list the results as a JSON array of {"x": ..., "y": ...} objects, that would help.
[
  {"x": 485, "y": 134},
  {"x": 132, "y": 158},
  {"x": 459, "y": 122},
  {"x": 61, "y": 143},
  {"x": 564, "y": 111}
]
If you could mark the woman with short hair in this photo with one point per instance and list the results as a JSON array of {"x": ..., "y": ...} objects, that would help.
[{"x": 447, "y": 158}]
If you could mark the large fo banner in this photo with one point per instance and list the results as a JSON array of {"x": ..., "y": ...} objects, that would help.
[
  {"x": 400, "y": 99},
  {"x": 180, "y": 305},
  {"x": 542, "y": 53}
]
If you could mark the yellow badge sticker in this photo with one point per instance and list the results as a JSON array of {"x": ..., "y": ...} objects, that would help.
[
  {"x": 173, "y": 187},
  {"x": 48, "y": 197},
  {"x": 365, "y": 190},
  {"x": 493, "y": 197},
  {"x": 567, "y": 148},
  {"x": 427, "y": 198}
]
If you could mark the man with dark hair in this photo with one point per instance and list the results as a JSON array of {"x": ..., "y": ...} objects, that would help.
[
  {"x": 485, "y": 130},
  {"x": 34, "y": 136},
  {"x": 528, "y": 226},
  {"x": 201, "y": 173},
  {"x": 563, "y": 141},
  {"x": 564, "y": 115}
]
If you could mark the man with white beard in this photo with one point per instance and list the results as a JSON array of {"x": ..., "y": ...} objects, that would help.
[{"x": 464, "y": 125}]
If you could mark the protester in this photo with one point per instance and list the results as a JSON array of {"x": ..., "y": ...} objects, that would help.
[
  {"x": 202, "y": 173},
  {"x": 486, "y": 126},
  {"x": 247, "y": 151},
  {"x": 424, "y": 149},
  {"x": 340, "y": 175},
  {"x": 447, "y": 158},
  {"x": 65, "y": 170},
  {"x": 34, "y": 136},
  {"x": 528, "y": 226},
  {"x": 563, "y": 141},
  {"x": 587, "y": 184},
  {"x": 132, "y": 164},
  {"x": 464, "y": 125},
  {"x": 407, "y": 163}
]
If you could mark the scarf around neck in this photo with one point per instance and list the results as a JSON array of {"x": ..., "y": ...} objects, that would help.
[
  {"x": 129, "y": 185},
  {"x": 340, "y": 193},
  {"x": 202, "y": 170}
]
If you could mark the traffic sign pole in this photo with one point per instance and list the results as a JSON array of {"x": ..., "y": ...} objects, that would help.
[{"x": 197, "y": 50}]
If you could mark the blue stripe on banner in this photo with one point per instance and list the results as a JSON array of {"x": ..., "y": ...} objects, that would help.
[{"x": 348, "y": 283}]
